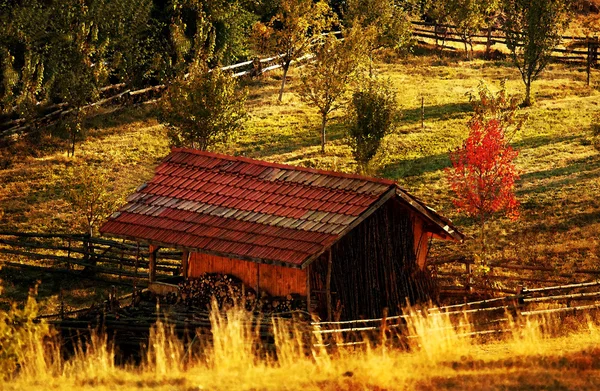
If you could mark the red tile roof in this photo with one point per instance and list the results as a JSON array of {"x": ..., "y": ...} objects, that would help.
[{"x": 244, "y": 208}]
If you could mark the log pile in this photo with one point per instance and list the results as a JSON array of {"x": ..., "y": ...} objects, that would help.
[{"x": 228, "y": 291}]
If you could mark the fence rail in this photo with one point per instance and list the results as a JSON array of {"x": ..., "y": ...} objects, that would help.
[{"x": 76, "y": 253}]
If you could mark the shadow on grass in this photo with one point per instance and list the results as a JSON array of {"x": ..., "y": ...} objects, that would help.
[
  {"x": 77, "y": 289},
  {"x": 539, "y": 141},
  {"x": 579, "y": 170},
  {"x": 277, "y": 144},
  {"x": 416, "y": 166},
  {"x": 436, "y": 112}
]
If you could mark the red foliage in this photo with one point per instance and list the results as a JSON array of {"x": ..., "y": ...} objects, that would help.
[{"x": 483, "y": 174}]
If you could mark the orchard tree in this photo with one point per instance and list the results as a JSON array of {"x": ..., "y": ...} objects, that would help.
[
  {"x": 91, "y": 193},
  {"x": 384, "y": 24},
  {"x": 326, "y": 80},
  {"x": 533, "y": 29},
  {"x": 483, "y": 173},
  {"x": 291, "y": 32},
  {"x": 370, "y": 116},
  {"x": 470, "y": 17},
  {"x": 202, "y": 108}
]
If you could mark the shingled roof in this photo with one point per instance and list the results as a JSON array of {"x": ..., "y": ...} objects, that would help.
[{"x": 248, "y": 209}]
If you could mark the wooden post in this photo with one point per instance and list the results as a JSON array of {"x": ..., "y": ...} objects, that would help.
[
  {"x": 328, "y": 287},
  {"x": 383, "y": 336},
  {"x": 469, "y": 276},
  {"x": 422, "y": 112},
  {"x": 257, "y": 280},
  {"x": 488, "y": 45},
  {"x": 308, "y": 289},
  {"x": 588, "y": 67},
  {"x": 152, "y": 262},
  {"x": 137, "y": 261},
  {"x": 185, "y": 264}
]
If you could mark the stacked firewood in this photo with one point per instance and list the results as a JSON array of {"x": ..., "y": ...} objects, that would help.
[{"x": 228, "y": 291}]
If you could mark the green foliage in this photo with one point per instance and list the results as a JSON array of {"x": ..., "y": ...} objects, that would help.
[
  {"x": 90, "y": 191},
  {"x": 533, "y": 29},
  {"x": 291, "y": 32},
  {"x": 326, "y": 80},
  {"x": 21, "y": 338},
  {"x": 499, "y": 106},
  {"x": 370, "y": 117},
  {"x": 390, "y": 22},
  {"x": 203, "y": 108}
]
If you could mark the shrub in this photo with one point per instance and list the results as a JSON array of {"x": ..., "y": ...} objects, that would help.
[{"x": 371, "y": 117}]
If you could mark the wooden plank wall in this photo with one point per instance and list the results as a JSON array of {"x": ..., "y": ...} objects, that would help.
[
  {"x": 421, "y": 244},
  {"x": 276, "y": 280}
]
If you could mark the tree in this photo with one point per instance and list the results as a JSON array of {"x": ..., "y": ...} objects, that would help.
[
  {"x": 292, "y": 31},
  {"x": 203, "y": 107},
  {"x": 371, "y": 116},
  {"x": 470, "y": 17},
  {"x": 91, "y": 194},
  {"x": 385, "y": 24},
  {"x": 532, "y": 29},
  {"x": 483, "y": 172},
  {"x": 325, "y": 81}
]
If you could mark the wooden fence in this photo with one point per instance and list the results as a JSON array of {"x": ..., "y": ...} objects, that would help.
[
  {"x": 130, "y": 325},
  {"x": 572, "y": 49},
  {"x": 459, "y": 277},
  {"x": 118, "y": 94},
  {"x": 480, "y": 318},
  {"x": 72, "y": 253}
]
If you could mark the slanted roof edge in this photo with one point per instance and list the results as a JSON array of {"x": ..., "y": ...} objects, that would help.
[
  {"x": 210, "y": 252},
  {"x": 444, "y": 224},
  {"x": 281, "y": 166}
]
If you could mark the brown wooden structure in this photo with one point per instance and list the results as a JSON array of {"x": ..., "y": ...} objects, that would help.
[{"x": 351, "y": 245}]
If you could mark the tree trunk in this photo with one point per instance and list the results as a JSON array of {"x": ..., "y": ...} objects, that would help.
[
  {"x": 527, "y": 101},
  {"x": 488, "y": 44},
  {"x": 285, "y": 71},
  {"x": 323, "y": 138}
]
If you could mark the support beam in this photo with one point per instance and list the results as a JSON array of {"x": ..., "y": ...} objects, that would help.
[
  {"x": 185, "y": 256},
  {"x": 328, "y": 287},
  {"x": 152, "y": 262},
  {"x": 257, "y": 280},
  {"x": 308, "y": 289}
]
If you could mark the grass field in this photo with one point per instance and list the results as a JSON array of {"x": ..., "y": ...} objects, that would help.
[
  {"x": 560, "y": 169},
  {"x": 548, "y": 354}
]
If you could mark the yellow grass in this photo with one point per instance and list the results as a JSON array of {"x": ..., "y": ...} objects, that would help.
[{"x": 532, "y": 354}]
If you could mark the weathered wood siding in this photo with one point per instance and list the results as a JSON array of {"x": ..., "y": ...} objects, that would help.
[
  {"x": 276, "y": 280},
  {"x": 373, "y": 267}
]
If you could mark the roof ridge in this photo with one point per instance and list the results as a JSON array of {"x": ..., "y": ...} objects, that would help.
[{"x": 284, "y": 166}]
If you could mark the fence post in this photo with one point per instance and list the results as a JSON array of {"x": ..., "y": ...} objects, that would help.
[{"x": 422, "y": 112}]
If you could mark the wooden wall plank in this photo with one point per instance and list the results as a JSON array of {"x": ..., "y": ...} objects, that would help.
[{"x": 276, "y": 280}]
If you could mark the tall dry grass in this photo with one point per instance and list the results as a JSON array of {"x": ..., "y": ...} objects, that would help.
[{"x": 436, "y": 344}]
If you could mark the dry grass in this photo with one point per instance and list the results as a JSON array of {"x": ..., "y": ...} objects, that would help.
[{"x": 536, "y": 355}]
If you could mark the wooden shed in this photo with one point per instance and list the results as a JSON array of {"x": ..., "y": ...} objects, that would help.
[{"x": 348, "y": 243}]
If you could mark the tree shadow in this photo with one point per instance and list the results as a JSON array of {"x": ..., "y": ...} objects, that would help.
[
  {"x": 587, "y": 168},
  {"x": 417, "y": 166},
  {"x": 436, "y": 112},
  {"x": 278, "y": 144},
  {"x": 539, "y": 141}
]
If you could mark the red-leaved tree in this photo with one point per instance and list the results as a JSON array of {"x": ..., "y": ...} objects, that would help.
[{"x": 483, "y": 174}]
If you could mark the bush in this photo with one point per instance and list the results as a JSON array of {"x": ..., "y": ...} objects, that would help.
[{"x": 371, "y": 116}]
